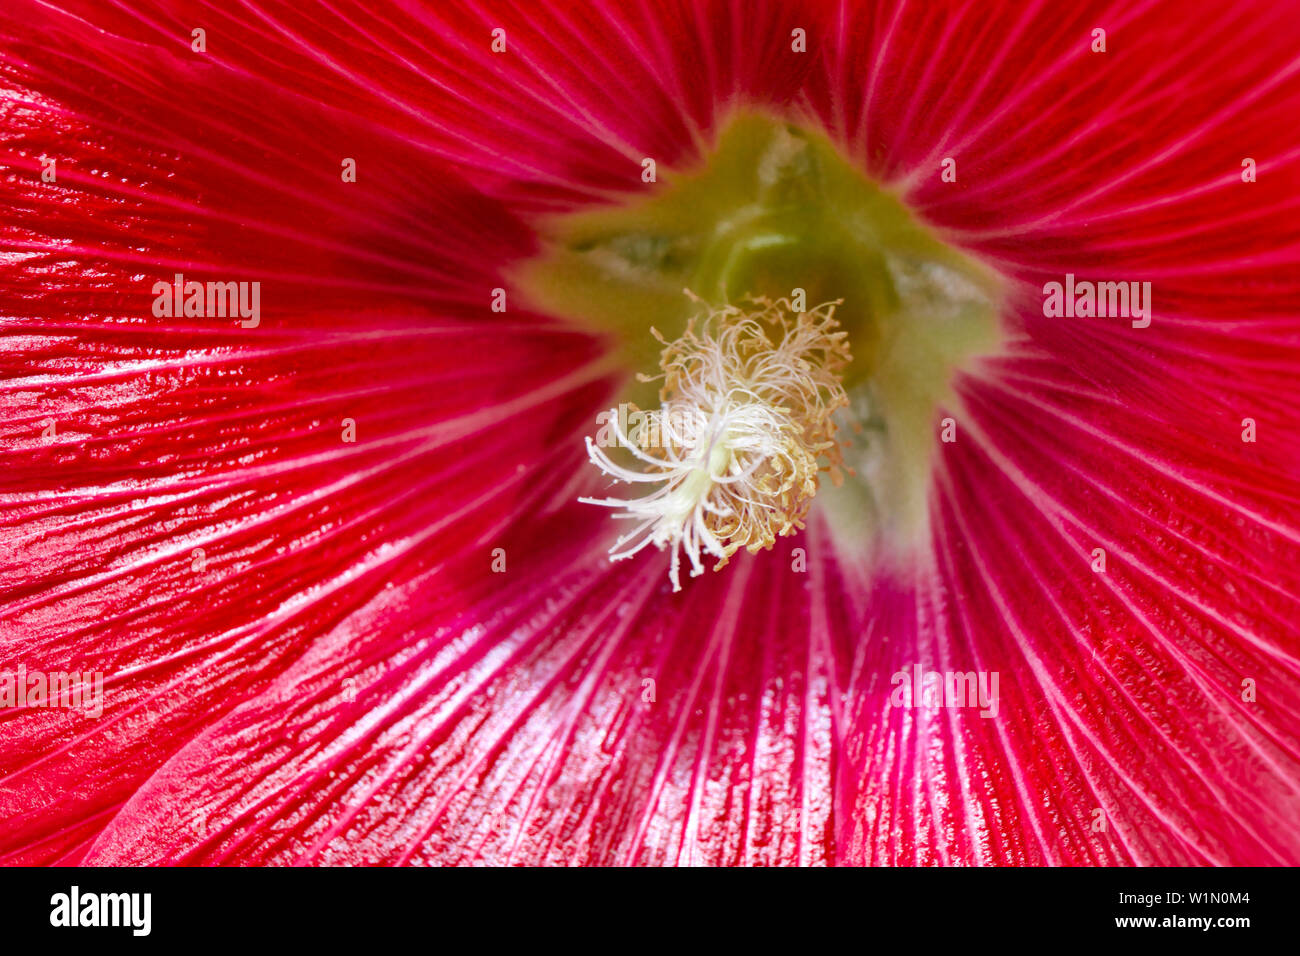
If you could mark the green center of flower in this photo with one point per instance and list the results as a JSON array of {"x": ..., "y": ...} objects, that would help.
[{"x": 777, "y": 213}]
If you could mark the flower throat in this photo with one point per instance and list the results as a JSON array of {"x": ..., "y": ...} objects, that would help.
[{"x": 759, "y": 383}]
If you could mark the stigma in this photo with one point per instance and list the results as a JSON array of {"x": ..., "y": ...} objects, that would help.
[{"x": 732, "y": 457}]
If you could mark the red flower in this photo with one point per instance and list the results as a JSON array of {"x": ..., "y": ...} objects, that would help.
[{"x": 327, "y": 557}]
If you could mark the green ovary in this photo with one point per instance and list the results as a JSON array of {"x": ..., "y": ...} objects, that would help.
[{"x": 775, "y": 208}]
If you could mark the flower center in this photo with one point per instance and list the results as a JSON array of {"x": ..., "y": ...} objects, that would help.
[
  {"x": 747, "y": 418},
  {"x": 775, "y": 217}
]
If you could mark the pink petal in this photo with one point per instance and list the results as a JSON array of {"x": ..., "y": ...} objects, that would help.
[{"x": 500, "y": 718}]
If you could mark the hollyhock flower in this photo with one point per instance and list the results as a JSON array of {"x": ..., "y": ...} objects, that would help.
[{"x": 324, "y": 548}]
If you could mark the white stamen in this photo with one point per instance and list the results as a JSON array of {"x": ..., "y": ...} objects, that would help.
[{"x": 736, "y": 445}]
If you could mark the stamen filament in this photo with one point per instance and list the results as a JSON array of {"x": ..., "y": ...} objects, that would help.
[{"x": 744, "y": 428}]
